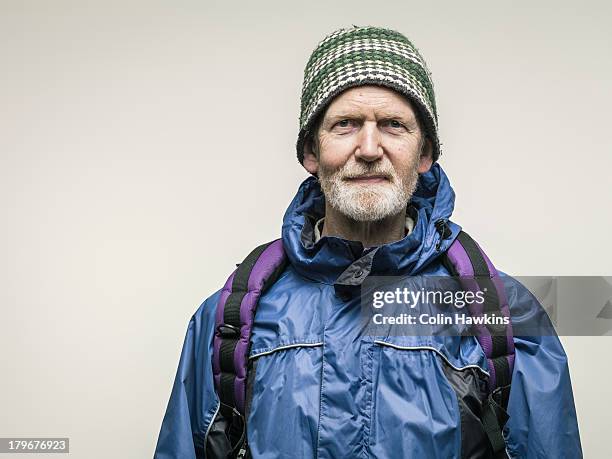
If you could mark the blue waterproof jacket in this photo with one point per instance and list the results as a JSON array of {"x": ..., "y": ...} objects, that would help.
[{"x": 319, "y": 388}]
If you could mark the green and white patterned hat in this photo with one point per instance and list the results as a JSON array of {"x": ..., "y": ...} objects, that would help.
[{"x": 366, "y": 55}]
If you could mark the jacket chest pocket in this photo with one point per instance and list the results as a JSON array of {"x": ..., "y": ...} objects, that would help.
[
  {"x": 284, "y": 401},
  {"x": 423, "y": 403}
]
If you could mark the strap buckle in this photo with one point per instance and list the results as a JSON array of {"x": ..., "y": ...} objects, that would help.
[
  {"x": 500, "y": 395},
  {"x": 228, "y": 331},
  {"x": 242, "y": 452}
]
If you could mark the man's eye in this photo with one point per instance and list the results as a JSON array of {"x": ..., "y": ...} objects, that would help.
[
  {"x": 395, "y": 124},
  {"x": 343, "y": 123}
]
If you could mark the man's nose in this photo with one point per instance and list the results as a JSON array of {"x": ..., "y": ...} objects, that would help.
[{"x": 369, "y": 147}]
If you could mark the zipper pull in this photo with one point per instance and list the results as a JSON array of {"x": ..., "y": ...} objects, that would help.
[{"x": 242, "y": 451}]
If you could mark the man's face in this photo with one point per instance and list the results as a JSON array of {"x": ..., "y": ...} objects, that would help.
[{"x": 369, "y": 153}]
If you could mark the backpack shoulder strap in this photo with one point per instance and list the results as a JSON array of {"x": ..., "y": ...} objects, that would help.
[
  {"x": 234, "y": 325},
  {"x": 234, "y": 320},
  {"x": 466, "y": 260}
]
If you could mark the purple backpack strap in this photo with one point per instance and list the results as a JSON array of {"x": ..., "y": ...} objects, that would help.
[
  {"x": 466, "y": 260},
  {"x": 234, "y": 324}
]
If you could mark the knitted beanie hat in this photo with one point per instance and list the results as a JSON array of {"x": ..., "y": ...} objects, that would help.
[{"x": 366, "y": 55}]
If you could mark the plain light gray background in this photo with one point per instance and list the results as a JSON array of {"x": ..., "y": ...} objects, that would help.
[{"x": 146, "y": 147}]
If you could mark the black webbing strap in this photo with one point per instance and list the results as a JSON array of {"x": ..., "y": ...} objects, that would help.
[{"x": 493, "y": 418}]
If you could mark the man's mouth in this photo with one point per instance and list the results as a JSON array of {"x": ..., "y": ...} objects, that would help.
[{"x": 368, "y": 179}]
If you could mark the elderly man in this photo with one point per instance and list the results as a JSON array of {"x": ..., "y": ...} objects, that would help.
[{"x": 277, "y": 363}]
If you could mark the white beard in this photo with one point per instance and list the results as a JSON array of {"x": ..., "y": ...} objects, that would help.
[{"x": 368, "y": 202}]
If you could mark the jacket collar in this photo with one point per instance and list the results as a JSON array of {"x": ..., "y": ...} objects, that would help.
[{"x": 318, "y": 227}]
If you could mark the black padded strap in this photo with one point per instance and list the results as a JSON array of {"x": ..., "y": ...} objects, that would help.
[{"x": 502, "y": 370}]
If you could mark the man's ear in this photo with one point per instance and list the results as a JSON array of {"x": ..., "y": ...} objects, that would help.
[
  {"x": 311, "y": 162},
  {"x": 426, "y": 159}
]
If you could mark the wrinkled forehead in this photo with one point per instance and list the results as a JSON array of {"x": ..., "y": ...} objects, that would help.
[
  {"x": 371, "y": 100},
  {"x": 347, "y": 104}
]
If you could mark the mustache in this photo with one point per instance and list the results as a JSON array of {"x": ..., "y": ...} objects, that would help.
[{"x": 355, "y": 171}]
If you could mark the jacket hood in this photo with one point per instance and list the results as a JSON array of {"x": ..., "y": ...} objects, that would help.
[{"x": 327, "y": 259}]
